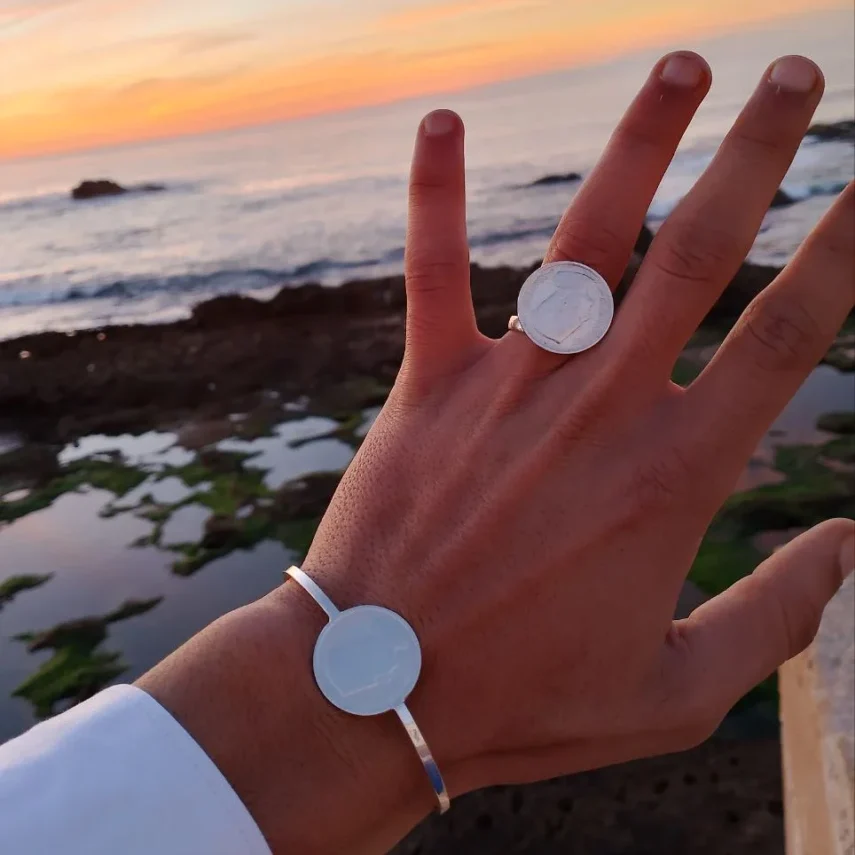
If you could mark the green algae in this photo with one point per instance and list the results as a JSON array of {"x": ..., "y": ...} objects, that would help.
[
  {"x": 245, "y": 534},
  {"x": 110, "y": 474},
  {"x": 14, "y": 585},
  {"x": 686, "y": 370},
  {"x": 720, "y": 563},
  {"x": 812, "y": 492},
  {"x": 71, "y": 674},
  {"x": 342, "y": 400},
  {"x": 77, "y": 669}
]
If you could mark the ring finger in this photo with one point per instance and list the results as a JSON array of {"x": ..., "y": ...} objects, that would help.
[
  {"x": 601, "y": 225},
  {"x": 704, "y": 241}
]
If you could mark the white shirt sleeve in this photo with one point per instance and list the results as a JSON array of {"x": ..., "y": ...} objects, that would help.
[{"x": 118, "y": 774}]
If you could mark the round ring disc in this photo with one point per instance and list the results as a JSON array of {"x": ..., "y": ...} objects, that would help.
[
  {"x": 367, "y": 660},
  {"x": 565, "y": 307}
]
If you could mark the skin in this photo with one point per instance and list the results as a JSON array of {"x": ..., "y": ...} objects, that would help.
[{"x": 534, "y": 516}]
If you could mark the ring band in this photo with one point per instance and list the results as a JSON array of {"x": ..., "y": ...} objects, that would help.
[
  {"x": 401, "y": 710},
  {"x": 515, "y": 324}
]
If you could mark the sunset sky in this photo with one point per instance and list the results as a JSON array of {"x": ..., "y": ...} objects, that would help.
[{"x": 80, "y": 73}]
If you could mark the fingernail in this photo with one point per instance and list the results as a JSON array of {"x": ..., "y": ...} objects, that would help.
[
  {"x": 439, "y": 122},
  {"x": 794, "y": 74},
  {"x": 847, "y": 556},
  {"x": 681, "y": 70}
]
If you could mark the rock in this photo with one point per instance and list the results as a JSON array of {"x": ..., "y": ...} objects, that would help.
[
  {"x": 782, "y": 199},
  {"x": 31, "y": 464},
  {"x": 844, "y": 130},
  {"x": 105, "y": 187},
  {"x": 840, "y": 423},
  {"x": 841, "y": 354},
  {"x": 556, "y": 178},
  {"x": 645, "y": 238},
  {"x": 307, "y": 497},
  {"x": 221, "y": 462},
  {"x": 722, "y": 798},
  {"x": 96, "y": 189},
  {"x": 220, "y": 530},
  {"x": 228, "y": 310},
  {"x": 748, "y": 282}
]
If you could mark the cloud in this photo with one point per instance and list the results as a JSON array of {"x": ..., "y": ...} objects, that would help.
[
  {"x": 434, "y": 13},
  {"x": 17, "y": 11},
  {"x": 201, "y": 42}
]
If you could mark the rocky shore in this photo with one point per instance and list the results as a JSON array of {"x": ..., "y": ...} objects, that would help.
[{"x": 58, "y": 386}]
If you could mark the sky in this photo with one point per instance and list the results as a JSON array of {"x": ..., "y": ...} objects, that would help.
[{"x": 76, "y": 74}]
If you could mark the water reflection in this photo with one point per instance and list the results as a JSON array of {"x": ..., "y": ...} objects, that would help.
[
  {"x": 238, "y": 510},
  {"x": 297, "y": 448},
  {"x": 152, "y": 449}
]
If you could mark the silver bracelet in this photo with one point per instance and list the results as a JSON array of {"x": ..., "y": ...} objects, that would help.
[{"x": 367, "y": 660}]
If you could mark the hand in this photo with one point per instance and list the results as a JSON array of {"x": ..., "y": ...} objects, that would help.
[{"x": 534, "y": 516}]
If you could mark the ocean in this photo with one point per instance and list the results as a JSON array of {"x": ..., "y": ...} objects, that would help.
[{"x": 323, "y": 198}]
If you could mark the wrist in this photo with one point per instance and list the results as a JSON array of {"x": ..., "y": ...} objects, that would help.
[{"x": 315, "y": 779}]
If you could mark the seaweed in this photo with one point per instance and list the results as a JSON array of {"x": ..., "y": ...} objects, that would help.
[
  {"x": 14, "y": 585},
  {"x": 77, "y": 669},
  {"x": 111, "y": 475}
]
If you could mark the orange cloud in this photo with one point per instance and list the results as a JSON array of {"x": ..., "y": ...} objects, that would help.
[
  {"x": 440, "y": 12},
  {"x": 180, "y": 81}
]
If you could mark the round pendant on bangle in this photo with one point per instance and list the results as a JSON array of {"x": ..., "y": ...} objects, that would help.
[
  {"x": 367, "y": 660},
  {"x": 564, "y": 307}
]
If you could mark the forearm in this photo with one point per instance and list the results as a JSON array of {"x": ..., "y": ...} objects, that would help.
[{"x": 316, "y": 780}]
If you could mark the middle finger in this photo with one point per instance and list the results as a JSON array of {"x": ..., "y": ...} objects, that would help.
[{"x": 601, "y": 225}]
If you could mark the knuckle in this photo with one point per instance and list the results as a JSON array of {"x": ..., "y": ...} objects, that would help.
[
  {"x": 581, "y": 420},
  {"x": 594, "y": 245},
  {"x": 797, "y": 627},
  {"x": 426, "y": 184},
  {"x": 838, "y": 249},
  {"x": 428, "y": 275},
  {"x": 640, "y": 133},
  {"x": 783, "y": 331},
  {"x": 754, "y": 143},
  {"x": 692, "y": 255}
]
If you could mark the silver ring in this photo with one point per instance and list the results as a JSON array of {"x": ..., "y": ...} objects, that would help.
[
  {"x": 564, "y": 307},
  {"x": 515, "y": 324}
]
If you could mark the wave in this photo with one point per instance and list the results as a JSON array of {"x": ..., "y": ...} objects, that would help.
[
  {"x": 39, "y": 200},
  {"x": 510, "y": 235},
  {"x": 796, "y": 192},
  {"x": 33, "y": 291}
]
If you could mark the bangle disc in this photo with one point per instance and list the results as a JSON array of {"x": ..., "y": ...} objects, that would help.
[{"x": 367, "y": 660}]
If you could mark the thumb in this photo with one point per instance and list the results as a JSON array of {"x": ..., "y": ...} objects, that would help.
[
  {"x": 440, "y": 318},
  {"x": 741, "y": 636}
]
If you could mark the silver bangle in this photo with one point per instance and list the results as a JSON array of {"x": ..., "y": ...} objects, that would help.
[{"x": 366, "y": 662}]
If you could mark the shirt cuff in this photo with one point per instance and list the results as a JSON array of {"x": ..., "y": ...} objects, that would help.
[{"x": 118, "y": 774}]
